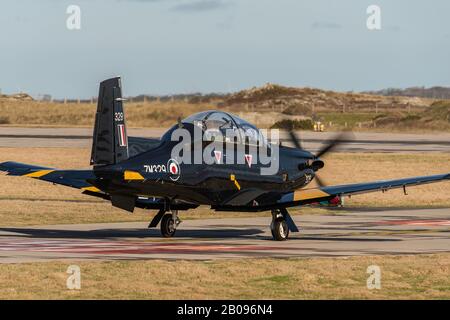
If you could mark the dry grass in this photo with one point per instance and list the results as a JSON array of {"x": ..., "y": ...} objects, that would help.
[
  {"x": 402, "y": 277},
  {"x": 151, "y": 114},
  {"x": 343, "y": 168},
  {"x": 165, "y": 114},
  {"x": 27, "y": 201}
]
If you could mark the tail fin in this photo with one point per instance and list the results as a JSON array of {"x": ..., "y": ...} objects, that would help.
[{"x": 110, "y": 140}]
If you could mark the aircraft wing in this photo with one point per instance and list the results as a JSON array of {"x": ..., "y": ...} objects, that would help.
[
  {"x": 307, "y": 196},
  {"x": 71, "y": 178},
  {"x": 79, "y": 179},
  {"x": 268, "y": 200}
]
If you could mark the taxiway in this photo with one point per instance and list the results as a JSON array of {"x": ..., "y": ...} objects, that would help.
[
  {"x": 312, "y": 141},
  {"x": 342, "y": 232}
]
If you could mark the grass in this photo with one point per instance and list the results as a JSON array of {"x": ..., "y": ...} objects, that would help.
[
  {"x": 165, "y": 114},
  {"x": 434, "y": 118},
  {"x": 402, "y": 277},
  {"x": 151, "y": 114},
  {"x": 344, "y": 168},
  {"x": 26, "y": 201},
  {"x": 339, "y": 119}
]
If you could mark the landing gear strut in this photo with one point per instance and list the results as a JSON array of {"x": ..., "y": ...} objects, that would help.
[{"x": 281, "y": 224}]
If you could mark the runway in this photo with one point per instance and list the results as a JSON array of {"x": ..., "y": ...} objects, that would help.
[
  {"x": 339, "y": 233},
  {"x": 312, "y": 141}
]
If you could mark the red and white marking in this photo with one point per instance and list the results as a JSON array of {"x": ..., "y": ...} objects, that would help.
[
  {"x": 218, "y": 156},
  {"x": 77, "y": 246},
  {"x": 122, "y": 135},
  {"x": 249, "y": 159},
  {"x": 173, "y": 168}
]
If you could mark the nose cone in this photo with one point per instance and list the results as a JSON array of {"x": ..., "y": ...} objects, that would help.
[
  {"x": 311, "y": 164},
  {"x": 317, "y": 165}
]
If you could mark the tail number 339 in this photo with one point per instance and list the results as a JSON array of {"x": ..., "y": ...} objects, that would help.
[{"x": 118, "y": 116}]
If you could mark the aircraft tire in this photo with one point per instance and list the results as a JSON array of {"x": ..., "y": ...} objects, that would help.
[
  {"x": 279, "y": 229},
  {"x": 167, "y": 226}
]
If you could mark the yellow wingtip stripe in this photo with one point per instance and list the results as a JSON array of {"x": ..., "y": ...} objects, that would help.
[
  {"x": 309, "y": 194},
  {"x": 38, "y": 174},
  {"x": 132, "y": 175}
]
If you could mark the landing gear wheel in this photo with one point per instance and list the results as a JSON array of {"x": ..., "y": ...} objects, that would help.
[
  {"x": 279, "y": 229},
  {"x": 168, "y": 226}
]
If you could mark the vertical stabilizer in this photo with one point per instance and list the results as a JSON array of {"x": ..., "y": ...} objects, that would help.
[{"x": 110, "y": 140}]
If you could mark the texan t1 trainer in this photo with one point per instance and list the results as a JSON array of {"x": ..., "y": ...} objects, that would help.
[{"x": 135, "y": 172}]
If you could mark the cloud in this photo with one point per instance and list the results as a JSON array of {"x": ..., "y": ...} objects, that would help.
[
  {"x": 200, "y": 5},
  {"x": 321, "y": 25}
]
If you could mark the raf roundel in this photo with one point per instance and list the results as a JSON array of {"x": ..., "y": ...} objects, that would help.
[{"x": 174, "y": 169}]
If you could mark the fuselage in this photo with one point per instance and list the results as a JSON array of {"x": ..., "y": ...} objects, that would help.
[{"x": 208, "y": 184}]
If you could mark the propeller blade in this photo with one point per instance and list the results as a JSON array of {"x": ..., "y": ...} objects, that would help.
[
  {"x": 320, "y": 182},
  {"x": 295, "y": 139},
  {"x": 332, "y": 144}
]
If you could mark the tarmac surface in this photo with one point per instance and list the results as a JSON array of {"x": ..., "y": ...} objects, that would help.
[
  {"x": 312, "y": 141},
  {"x": 342, "y": 232}
]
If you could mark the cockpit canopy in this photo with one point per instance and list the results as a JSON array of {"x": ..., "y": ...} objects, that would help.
[{"x": 220, "y": 125}]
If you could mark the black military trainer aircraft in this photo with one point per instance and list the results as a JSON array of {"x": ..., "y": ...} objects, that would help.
[{"x": 139, "y": 172}]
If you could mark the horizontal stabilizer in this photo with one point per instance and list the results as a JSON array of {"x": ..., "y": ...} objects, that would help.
[{"x": 72, "y": 178}]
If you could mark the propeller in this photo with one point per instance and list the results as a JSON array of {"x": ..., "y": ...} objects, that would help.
[
  {"x": 329, "y": 146},
  {"x": 320, "y": 182},
  {"x": 333, "y": 143},
  {"x": 295, "y": 139}
]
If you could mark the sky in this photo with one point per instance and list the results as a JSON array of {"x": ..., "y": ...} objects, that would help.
[{"x": 184, "y": 46}]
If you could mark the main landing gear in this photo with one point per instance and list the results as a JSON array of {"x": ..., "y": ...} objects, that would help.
[
  {"x": 281, "y": 224},
  {"x": 169, "y": 222}
]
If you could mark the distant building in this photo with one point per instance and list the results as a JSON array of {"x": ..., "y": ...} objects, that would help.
[{"x": 46, "y": 97}]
